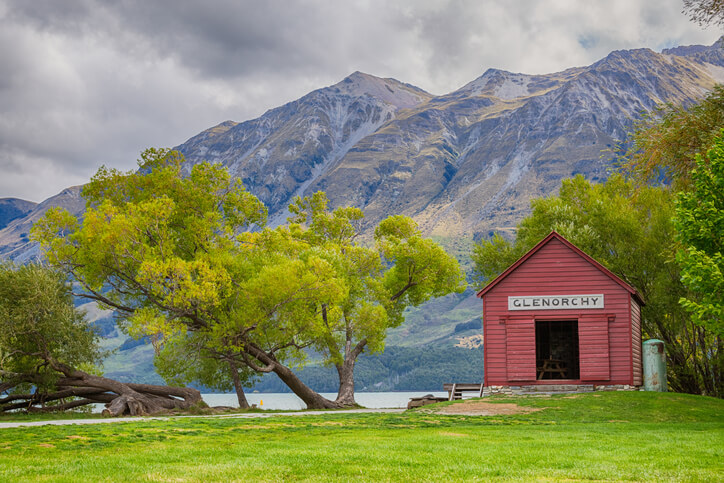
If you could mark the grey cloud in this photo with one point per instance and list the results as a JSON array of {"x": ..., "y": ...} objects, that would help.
[
  {"x": 90, "y": 82},
  {"x": 220, "y": 38}
]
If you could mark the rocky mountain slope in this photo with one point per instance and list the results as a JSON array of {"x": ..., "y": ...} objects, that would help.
[
  {"x": 14, "y": 241},
  {"x": 13, "y": 208},
  {"x": 285, "y": 151},
  {"x": 462, "y": 164}
]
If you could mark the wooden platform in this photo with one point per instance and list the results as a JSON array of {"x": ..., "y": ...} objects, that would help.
[{"x": 456, "y": 390}]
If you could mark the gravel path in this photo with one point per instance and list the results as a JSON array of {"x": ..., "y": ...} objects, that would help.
[{"x": 66, "y": 422}]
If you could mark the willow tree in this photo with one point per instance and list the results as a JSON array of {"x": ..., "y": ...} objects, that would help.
[
  {"x": 669, "y": 148},
  {"x": 401, "y": 269},
  {"x": 705, "y": 12},
  {"x": 173, "y": 255},
  {"x": 663, "y": 145},
  {"x": 49, "y": 353},
  {"x": 191, "y": 357}
]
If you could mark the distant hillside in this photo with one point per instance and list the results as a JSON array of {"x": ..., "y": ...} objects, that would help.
[
  {"x": 13, "y": 208},
  {"x": 397, "y": 369},
  {"x": 14, "y": 238}
]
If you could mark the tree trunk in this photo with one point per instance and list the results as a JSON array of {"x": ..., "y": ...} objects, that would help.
[
  {"x": 133, "y": 399},
  {"x": 311, "y": 398},
  {"x": 345, "y": 395},
  {"x": 240, "y": 396},
  {"x": 120, "y": 398},
  {"x": 62, "y": 407}
]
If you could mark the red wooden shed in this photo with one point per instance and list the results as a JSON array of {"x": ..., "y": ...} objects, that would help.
[{"x": 559, "y": 317}]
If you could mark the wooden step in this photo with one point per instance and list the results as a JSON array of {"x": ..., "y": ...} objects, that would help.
[{"x": 456, "y": 390}]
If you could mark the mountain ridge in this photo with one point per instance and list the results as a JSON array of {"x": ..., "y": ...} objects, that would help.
[
  {"x": 13, "y": 208},
  {"x": 462, "y": 164},
  {"x": 15, "y": 243}
]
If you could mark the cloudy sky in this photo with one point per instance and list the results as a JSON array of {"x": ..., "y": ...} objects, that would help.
[{"x": 90, "y": 82}]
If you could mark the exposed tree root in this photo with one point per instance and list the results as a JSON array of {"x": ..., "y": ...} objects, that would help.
[{"x": 77, "y": 388}]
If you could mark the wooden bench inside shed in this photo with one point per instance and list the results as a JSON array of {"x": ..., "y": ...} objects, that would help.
[{"x": 455, "y": 391}]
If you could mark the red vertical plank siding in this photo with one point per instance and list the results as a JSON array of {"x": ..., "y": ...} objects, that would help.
[
  {"x": 636, "y": 349},
  {"x": 556, "y": 269},
  {"x": 593, "y": 348},
  {"x": 495, "y": 360},
  {"x": 520, "y": 349},
  {"x": 485, "y": 359}
]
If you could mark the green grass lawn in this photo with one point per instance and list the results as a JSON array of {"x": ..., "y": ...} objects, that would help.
[{"x": 604, "y": 436}]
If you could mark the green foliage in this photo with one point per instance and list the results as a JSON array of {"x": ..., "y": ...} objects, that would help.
[
  {"x": 629, "y": 230},
  {"x": 158, "y": 237},
  {"x": 492, "y": 256},
  {"x": 171, "y": 253},
  {"x": 40, "y": 326},
  {"x": 186, "y": 359},
  {"x": 402, "y": 270},
  {"x": 665, "y": 144},
  {"x": 700, "y": 226},
  {"x": 625, "y": 228},
  {"x": 705, "y": 12},
  {"x": 668, "y": 146},
  {"x": 419, "y": 268}
]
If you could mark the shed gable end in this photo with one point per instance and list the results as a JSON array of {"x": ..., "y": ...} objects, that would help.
[{"x": 556, "y": 269}]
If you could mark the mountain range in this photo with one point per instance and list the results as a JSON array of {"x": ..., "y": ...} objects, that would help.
[{"x": 463, "y": 164}]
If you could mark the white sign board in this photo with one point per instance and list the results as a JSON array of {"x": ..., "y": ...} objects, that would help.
[{"x": 555, "y": 302}]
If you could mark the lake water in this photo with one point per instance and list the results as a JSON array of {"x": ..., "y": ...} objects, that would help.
[{"x": 289, "y": 401}]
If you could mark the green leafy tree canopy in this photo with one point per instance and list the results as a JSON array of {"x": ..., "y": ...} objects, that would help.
[
  {"x": 171, "y": 251},
  {"x": 41, "y": 327},
  {"x": 700, "y": 226},
  {"x": 401, "y": 270},
  {"x": 664, "y": 144}
]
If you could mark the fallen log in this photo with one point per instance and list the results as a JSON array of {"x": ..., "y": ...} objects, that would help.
[{"x": 78, "y": 388}]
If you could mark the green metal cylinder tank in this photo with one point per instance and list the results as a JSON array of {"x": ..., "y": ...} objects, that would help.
[{"x": 654, "y": 362}]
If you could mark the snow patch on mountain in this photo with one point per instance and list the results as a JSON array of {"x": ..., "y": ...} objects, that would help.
[{"x": 513, "y": 87}]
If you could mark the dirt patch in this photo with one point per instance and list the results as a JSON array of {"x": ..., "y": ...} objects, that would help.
[
  {"x": 457, "y": 435},
  {"x": 482, "y": 408}
]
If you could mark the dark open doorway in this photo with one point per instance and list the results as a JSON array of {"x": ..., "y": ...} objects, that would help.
[{"x": 556, "y": 348}]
